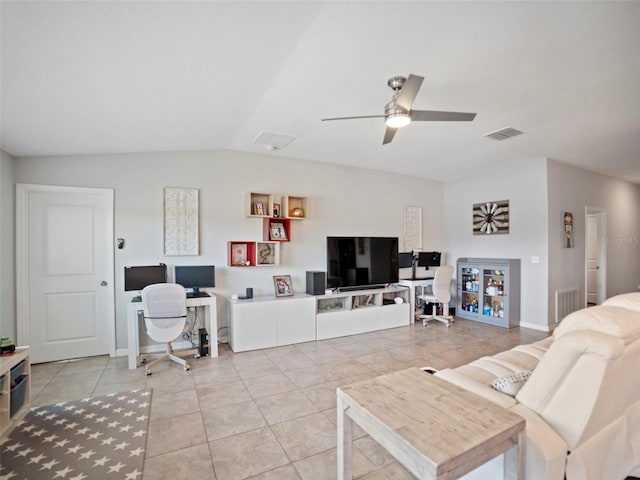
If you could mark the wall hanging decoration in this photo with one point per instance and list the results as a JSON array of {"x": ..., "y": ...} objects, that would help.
[
  {"x": 181, "y": 231},
  {"x": 567, "y": 237},
  {"x": 491, "y": 218},
  {"x": 412, "y": 229}
]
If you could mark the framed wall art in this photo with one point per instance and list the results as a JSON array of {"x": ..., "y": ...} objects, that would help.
[
  {"x": 491, "y": 218},
  {"x": 181, "y": 230}
]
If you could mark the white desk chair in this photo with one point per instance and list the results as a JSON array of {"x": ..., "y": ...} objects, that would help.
[
  {"x": 165, "y": 319},
  {"x": 441, "y": 294}
]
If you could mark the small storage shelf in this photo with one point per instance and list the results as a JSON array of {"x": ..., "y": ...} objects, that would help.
[
  {"x": 15, "y": 389},
  {"x": 276, "y": 229},
  {"x": 296, "y": 208},
  {"x": 267, "y": 254},
  {"x": 241, "y": 254},
  {"x": 258, "y": 204},
  {"x": 331, "y": 305}
]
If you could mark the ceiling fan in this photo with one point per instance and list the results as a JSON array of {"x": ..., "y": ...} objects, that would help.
[{"x": 398, "y": 112}]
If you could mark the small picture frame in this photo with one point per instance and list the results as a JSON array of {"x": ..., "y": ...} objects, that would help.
[
  {"x": 258, "y": 208},
  {"x": 282, "y": 285},
  {"x": 239, "y": 254},
  {"x": 277, "y": 231},
  {"x": 276, "y": 210}
]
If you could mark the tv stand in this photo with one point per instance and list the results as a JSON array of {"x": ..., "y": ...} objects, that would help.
[
  {"x": 360, "y": 311},
  {"x": 357, "y": 288}
]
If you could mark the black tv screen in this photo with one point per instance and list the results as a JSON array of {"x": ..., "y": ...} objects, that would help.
[
  {"x": 361, "y": 261},
  {"x": 136, "y": 278}
]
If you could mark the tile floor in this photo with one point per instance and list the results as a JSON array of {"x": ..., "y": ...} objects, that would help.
[{"x": 269, "y": 414}]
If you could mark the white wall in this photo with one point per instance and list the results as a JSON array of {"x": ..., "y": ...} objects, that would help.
[
  {"x": 572, "y": 189},
  {"x": 342, "y": 201},
  {"x": 7, "y": 277},
  {"x": 523, "y": 183}
]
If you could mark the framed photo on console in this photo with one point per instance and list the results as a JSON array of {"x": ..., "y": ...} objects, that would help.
[{"x": 282, "y": 285}]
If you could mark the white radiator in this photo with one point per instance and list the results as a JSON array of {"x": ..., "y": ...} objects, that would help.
[{"x": 567, "y": 301}]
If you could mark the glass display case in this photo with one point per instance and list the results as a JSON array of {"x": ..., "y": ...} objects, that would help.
[{"x": 489, "y": 290}]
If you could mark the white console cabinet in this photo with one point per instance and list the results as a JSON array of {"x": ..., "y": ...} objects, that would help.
[
  {"x": 264, "y": 322},
  {"x": 360, "y": 311}
]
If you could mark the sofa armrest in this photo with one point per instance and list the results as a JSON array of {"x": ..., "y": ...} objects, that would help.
[{"x": 481, "y": 389}]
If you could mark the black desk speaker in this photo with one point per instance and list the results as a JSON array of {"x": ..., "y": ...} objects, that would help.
[{"x": 316, "y": 283}]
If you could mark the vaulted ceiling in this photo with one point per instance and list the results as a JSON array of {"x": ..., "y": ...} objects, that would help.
[{"x": 92, "y": 77}]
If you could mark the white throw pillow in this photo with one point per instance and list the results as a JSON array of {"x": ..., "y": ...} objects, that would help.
[{"x": 511, "y": 384}]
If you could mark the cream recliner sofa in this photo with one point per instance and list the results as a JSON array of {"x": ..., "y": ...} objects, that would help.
[{"x": 581, "y": 402}]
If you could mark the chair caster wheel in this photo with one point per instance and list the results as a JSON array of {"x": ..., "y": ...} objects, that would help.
[
  {"x": 186, "y": 369},
  {"x": 147, "y": 373},
  {"x": 196, "y": 356}
]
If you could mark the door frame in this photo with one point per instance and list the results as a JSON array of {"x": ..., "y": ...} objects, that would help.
[
  {"x": 601, "y": 216},
  {"x": 23, "y": 190}
]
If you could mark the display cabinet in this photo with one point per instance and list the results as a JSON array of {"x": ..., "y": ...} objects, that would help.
[{"x": 489, "y": 290}]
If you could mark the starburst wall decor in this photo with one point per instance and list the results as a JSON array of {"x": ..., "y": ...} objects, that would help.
[{"x": 491, "y": 218}]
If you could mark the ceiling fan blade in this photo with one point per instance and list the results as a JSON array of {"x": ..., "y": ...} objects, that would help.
[
  {"x": 409, "y": 91},
  {"x": 436, "y": 116},
  {"x": 388, "y": 135},
  {"x": 352, "y": 118}
]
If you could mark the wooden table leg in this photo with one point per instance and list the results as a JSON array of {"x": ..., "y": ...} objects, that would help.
[
  {"x": 345, "y": 441},
  {"x": 514, "y": 459}
]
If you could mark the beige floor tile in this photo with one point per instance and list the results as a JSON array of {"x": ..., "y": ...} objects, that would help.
[
  {"x": 247, "y": 454},
  {"x": 323, "y": 466},
  {"x": 285, "y": 406},
  {"x": 393, "y": 471},
  {"x": 269, "y": 385},
  {"x": 175, "y": 433},
  {"x": 217, "y": 375},
  {"x": 292, "y": 362},
  {"x": 232, "y": 420},
  {"x": 189, "y": 463},
  {"x": 212, "y": 396},
  {"x": 305, "y": 436},
  {"x": 166, "y": 405},
  {"x": 281, "y": 473},
  {"x": 259, "y": 370}
]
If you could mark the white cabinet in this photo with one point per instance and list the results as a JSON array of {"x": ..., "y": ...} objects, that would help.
[
  {"x": 361, "y": 311},
  {"x": 264, "y": 322}
]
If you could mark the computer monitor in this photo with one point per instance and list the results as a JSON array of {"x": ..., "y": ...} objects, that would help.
[
  {"x": 136, "y": 278},
  {"x": 195, "y": 276},
  {"x": 429, "y": 259},
  {"x": 405, "y": 259}
]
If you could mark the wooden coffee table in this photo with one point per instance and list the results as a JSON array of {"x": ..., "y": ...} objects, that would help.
[{"x": 432, "y": 427}]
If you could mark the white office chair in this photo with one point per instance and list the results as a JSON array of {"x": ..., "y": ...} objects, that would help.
[
  {"x": 165, "y": 319},
  {"x": 441, "y": 293}
]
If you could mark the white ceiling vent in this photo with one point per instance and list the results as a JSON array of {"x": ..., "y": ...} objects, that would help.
[
  {"x": 503, "y": 133},
  {"x": 274, "y": 141}
]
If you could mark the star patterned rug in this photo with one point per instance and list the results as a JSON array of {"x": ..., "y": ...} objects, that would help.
[{"x": 93, "y": 438}]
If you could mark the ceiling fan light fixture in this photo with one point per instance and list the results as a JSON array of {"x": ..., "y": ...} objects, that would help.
[{"x": 398, "y": 120}]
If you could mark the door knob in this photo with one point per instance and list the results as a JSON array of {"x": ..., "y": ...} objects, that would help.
[{"x": 103, "y": 283}]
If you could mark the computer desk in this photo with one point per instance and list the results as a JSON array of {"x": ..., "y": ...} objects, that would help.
[
  {"x": 134, "y": 309},
  {"x": 413, "y": 284}
]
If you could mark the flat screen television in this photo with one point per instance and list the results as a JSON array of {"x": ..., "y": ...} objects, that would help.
[
  {"x": 195, "y": 277},
  {"x": 136, "y": 278},
  {"x": 359, "y": 262}
]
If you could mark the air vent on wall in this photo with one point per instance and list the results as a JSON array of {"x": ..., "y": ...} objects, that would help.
[
  {"x": 503, "y": 133},
  {"x": 274, "y": 141}
]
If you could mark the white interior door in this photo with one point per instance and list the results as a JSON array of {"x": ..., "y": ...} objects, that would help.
[
  {"x": 592, "y": 259},
  {"x": 65, "y": 271}
]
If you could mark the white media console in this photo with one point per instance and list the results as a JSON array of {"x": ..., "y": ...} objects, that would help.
[{"x": 263, "y": 322}]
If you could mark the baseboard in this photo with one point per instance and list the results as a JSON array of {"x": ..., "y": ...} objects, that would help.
[{"x": 535, "y": 326}]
